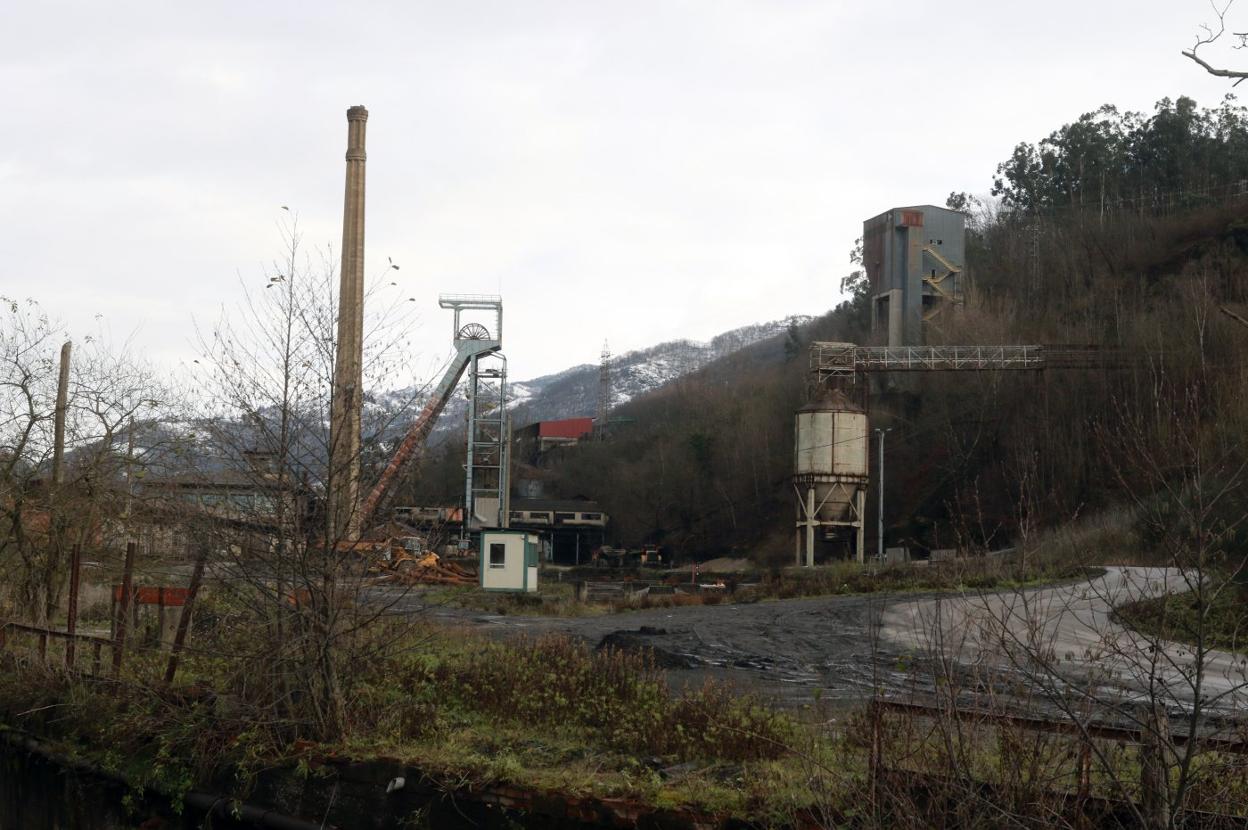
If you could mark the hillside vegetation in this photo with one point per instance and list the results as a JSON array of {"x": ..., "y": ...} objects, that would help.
[{"x": 1121, "y": 230}]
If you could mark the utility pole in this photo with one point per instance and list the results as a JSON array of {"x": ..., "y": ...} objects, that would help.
[
  {"x": 62, "y": 405},
  {"x": 880, "y": 433},
  {"x": 604, "y": 392},
  {"x": 56, "y": 510}
]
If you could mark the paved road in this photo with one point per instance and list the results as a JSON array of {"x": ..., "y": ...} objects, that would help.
[{"x": 1070, "y": 629}]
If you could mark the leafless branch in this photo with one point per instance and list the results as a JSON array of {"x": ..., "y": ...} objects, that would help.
[{"x": 1211, "y": 36}]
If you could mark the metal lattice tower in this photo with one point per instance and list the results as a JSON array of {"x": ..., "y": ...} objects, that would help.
[
  {"x": 486, "y": 466},
  {"x": 604, "y": 390},
  {"x": 473, "y": 341}
]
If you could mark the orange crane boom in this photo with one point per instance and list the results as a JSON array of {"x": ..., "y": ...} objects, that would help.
[{"x": 466, "y": 351}]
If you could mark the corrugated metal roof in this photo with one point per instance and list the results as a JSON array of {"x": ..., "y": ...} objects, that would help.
[{"x": 567, "y": 428}]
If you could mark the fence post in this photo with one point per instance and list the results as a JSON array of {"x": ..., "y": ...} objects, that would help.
[
  {"x": 127, "y": 583},
  {"x": 71, "y": 625},
  {"x": 43, "y": 645},
  {"x": 95, "y": 656},
  {"x": 184, "y": 621}
]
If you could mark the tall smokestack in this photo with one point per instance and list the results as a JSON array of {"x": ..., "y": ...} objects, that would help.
[{"x": 344, "y": 455}]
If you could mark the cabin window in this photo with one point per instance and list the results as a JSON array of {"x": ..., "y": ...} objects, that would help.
[
  {"x": 498, "y": 554},
  {"x": 565, "y": 517}
]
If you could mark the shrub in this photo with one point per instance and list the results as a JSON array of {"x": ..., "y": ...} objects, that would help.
[{"x": 621, "y": 697}]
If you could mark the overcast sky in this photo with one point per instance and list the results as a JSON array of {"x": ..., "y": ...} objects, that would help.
[{"x": 630, "y": 171}]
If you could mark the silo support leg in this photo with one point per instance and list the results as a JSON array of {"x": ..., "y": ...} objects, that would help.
[
  {"x": 810, "y": 527},
  {"x": 860, "y": 551},
  {"x": 797, "y": 530}
]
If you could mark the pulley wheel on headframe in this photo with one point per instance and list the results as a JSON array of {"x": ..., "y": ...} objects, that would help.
[{"x": 474, "y": 331}]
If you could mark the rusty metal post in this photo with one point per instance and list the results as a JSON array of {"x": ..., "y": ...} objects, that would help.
[
  {"x": 71, "y": 624},
  {"x": 184, "y": 622},
  {"x": 875, "y": 761},
  {"x": 160, "y": 617},
  {"x": 127, "y": 584},
  {"x": 43, "y": 645},
  {"x": 1085, "y": 780},
  {"x": 95, "y": 656}
]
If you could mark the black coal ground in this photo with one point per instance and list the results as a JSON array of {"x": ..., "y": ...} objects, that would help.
[
  {"x": 791, "y": 650},
  {"x": 832, "y": 650}
]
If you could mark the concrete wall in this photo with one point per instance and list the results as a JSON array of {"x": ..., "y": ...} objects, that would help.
[{"x": 895, "y": 262}]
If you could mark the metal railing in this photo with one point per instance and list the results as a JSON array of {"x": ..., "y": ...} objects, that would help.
[
  {"x": 483, "y": 301},
  {"x": 846, "y": 359},
  {"x": 43, "y": 635}
]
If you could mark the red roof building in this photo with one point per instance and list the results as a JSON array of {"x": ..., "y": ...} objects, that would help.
[{"x": 570, "y": 428}]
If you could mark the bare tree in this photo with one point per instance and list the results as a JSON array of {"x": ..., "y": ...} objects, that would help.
[
  {"x": 1212, "y": 33},
  {"x": 261, "y": 421},
  {"x": 39, "y": 518},
  {"x": 1062, "y": 658}
]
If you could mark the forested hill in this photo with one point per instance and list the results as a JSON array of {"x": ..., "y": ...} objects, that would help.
[
  {"x": 574, "y": 392},
  {"x": 1120, "y": 229}
]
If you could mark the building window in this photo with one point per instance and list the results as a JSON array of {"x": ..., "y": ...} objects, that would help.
[{"x": 498, "y": 555}]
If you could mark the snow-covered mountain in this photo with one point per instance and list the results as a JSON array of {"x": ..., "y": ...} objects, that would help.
[
  {"x": 574, "y": 392},
  {"x": 199, "y": 446}
]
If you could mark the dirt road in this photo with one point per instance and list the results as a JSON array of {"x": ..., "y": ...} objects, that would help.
[{"x": 842, "y": 648}]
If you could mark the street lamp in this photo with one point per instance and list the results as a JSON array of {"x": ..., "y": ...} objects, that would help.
[{"x": 880, "y": 433}]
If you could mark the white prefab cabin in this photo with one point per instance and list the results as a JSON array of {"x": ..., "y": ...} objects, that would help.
[{"x": 508, "y": 560}]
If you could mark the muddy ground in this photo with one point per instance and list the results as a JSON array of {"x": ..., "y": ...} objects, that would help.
[
  {"x": 788, "y": 649},
  {"x": 841, "y": 649}
]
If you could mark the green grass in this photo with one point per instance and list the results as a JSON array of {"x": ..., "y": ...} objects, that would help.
[
  {"x": 558, "y": 599},
  {"x": 553, "y": 599},
  {"x": 550, "y": 714},
  {"x": 1220, "y": 620}
]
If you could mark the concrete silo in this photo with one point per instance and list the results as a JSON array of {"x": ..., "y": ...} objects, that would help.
[{"x": 830, "y": 472}]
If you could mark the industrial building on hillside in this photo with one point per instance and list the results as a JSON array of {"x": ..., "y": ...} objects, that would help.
[
  {"x": 914, "y": 258},
  {"x": 573, "y": 527},
  {"x": 536, "y": 439}
]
